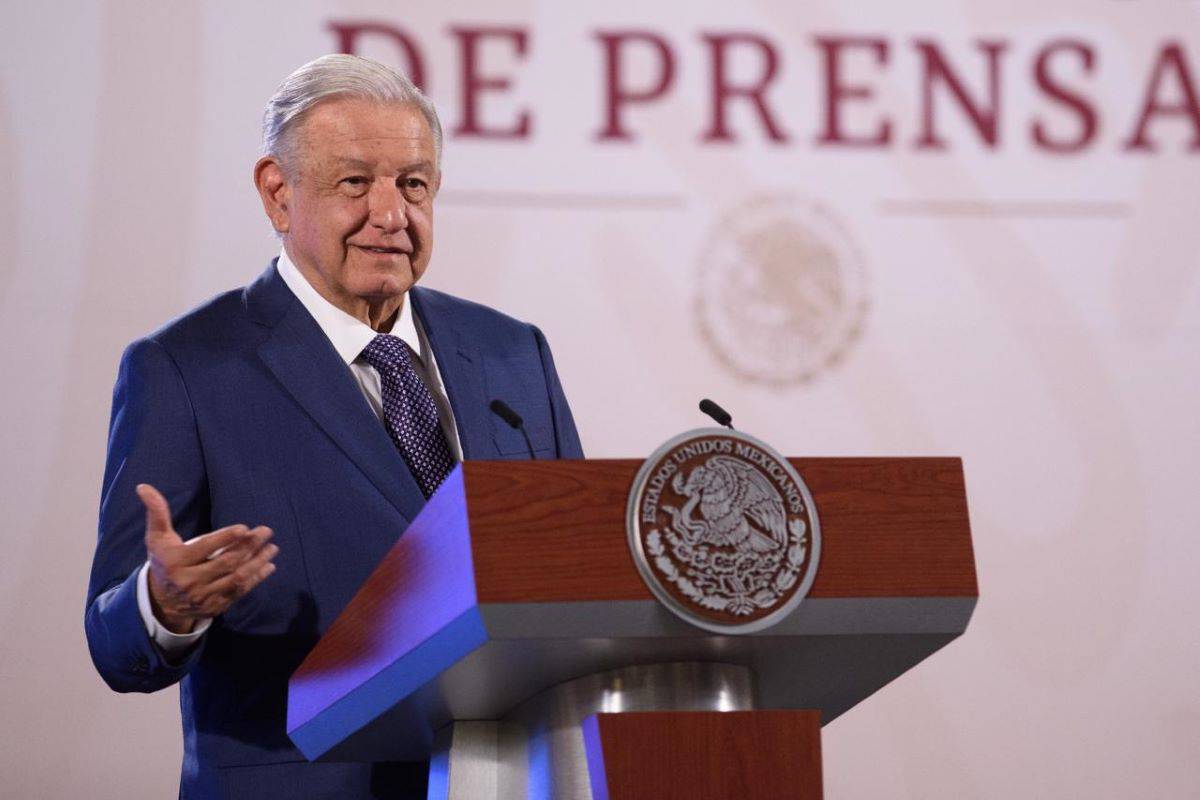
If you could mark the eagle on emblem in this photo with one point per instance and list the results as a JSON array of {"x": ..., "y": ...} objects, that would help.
[{"x": 739, "y": 507}]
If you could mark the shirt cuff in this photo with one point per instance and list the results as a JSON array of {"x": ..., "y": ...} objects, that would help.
[{"x": 171, "y": 644}]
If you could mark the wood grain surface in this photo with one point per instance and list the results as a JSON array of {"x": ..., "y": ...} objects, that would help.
[
  {"x": 552, "y": 531},
  {"x": 667, "y": 755}
]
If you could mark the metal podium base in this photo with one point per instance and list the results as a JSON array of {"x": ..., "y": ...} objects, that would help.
[{"x": 536, "y": 752}]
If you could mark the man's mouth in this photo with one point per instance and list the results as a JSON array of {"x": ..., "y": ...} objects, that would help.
[{"x": 383, "y": 250}]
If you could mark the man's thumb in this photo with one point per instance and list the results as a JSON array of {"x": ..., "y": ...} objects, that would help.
[{"x": 158, "y": 513}]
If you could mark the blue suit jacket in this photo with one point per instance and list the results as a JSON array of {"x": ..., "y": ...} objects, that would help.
[{"x": 242, "y": 412}]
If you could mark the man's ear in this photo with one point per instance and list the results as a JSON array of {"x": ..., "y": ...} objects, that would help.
[{"x": 274, "y": 190}]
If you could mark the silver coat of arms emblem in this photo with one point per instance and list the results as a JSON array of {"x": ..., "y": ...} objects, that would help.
[{"x": 723, "y": 530}]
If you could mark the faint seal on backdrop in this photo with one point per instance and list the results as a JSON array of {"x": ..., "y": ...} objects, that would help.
[
  {"x": 782, "y": 290},
  {"x": 723, "y": 530}
]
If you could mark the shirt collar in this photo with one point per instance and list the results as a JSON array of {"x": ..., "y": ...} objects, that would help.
[{"x": 347, "y": 334}]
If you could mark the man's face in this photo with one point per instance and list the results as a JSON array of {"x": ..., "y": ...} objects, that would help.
[{"x": 357, "y": 204}]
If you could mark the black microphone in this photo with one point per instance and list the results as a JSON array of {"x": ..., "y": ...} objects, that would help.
[
  {"x": 502, "y": 410},
  {"x": 720, "y": 415}
]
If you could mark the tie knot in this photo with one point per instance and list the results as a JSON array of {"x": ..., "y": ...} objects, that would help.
[{"x": 387, "y": 352}]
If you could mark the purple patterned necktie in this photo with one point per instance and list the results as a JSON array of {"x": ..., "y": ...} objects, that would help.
[{"x": 409, "y": 412}]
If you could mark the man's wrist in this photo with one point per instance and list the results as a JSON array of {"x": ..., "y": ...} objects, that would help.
[
  {"x": 170, "y": 643},
  {"x": 175, "y": 624}
]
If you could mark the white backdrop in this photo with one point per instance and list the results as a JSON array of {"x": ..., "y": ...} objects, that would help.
[{"x": 1034, "y": 312}]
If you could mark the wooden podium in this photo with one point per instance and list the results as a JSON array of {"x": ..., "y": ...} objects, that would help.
[{"x": 509, "y": 637}]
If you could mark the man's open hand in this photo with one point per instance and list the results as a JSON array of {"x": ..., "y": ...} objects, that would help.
[{"x": 203, "y": 576}]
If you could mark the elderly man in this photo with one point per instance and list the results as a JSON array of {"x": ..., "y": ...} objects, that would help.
[{"x": 267, "y": 448}]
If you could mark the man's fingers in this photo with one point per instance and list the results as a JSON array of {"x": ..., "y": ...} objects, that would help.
[
  {"x": 201, "y": 548},
  {"x": 227, "y": 559},
  {"x": 247, "y": 576},
  {"x": 158, "y": 513},
  {"x": 203, "y": 576}
]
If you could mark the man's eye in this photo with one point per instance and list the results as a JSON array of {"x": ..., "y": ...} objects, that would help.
[
  {"x": 414, "y": 188},
  {"x": 354, "y": 186}
]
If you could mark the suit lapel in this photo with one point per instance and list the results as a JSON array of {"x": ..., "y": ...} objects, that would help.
[
  {"x": 300, "y": 355},
  {"x": 461, "y": 368}
]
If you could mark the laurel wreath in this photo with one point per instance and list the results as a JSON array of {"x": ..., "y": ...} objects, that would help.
[{"x": 739, "y": 605}]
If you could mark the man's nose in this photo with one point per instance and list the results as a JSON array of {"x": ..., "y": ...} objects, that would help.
[{"x": 388, "y": 210}]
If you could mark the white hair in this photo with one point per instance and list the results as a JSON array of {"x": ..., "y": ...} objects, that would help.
[{"x": 334, "y": 76}]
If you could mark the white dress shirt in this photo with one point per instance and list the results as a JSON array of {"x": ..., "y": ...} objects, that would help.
[{"x": 348, "y": 336}]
